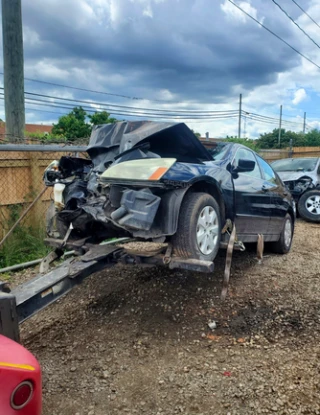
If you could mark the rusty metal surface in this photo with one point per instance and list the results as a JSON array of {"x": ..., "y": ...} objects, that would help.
[
  {"x": 98, "y": 252},
  {"x": 227, "y": 269},
  {"x": 191, "y": 265}
]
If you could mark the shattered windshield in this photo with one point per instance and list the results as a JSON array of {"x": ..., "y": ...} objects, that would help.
[
  {"x": 219, "y": 151},
  {"x": 305, "y": 164}
]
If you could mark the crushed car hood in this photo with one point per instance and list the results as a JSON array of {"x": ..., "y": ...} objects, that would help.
[
  {"x": 287, "y": 176},
  {"x": 165, "y": 139}
]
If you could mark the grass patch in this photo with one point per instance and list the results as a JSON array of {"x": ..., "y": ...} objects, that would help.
[{"x": 24, "y": 244}]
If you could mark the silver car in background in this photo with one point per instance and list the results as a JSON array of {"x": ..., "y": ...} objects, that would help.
[{"x": 302, "y": 178}]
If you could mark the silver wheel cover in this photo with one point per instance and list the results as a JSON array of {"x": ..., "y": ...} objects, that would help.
[
  {"x": 312, "y": 204},
  {"x": 287, "y": 233},
  {"x": 207, "y": 230}
]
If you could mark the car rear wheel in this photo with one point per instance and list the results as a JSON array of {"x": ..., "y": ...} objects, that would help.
[
  {"x": 309, "y": 206},
  {"x": 199, "y": 228},
  {"x": 283, "y": 245}
]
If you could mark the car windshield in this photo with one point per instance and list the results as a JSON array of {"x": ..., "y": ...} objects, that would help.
[
  {"x": 307, "y": 164},
  {"x": 219, "y": 151}
]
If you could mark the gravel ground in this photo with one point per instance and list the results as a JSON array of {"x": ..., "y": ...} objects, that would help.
[{"x": 137, "y": 341}]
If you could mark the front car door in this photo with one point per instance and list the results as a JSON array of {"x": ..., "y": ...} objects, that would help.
[
  {"x": 279, "y": 202},
  {"x": 252, "y": 199}
]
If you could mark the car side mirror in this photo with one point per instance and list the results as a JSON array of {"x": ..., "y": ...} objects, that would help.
[{"x": 245, "y": 166}]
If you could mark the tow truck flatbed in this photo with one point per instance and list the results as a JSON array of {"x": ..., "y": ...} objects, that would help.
[{"x": 24, "y": 301}]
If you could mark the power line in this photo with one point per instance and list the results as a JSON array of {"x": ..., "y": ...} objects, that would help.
[
  {"x": 80, "y": 89},
  {"x": 268, "y": 118},
  {"x": 201, "y": 117},
  {"x": 293, "y": 21},
  {"x": 273, "y": 119},
  {"x": 125, "y": 110},
  {"x": 93, "y": 91},
  {"x": 129, "y": 114},
  {"x": 124, "y": 107},
  {"x": 274, "y": 34},
  {"x": 305, "y": 13}
]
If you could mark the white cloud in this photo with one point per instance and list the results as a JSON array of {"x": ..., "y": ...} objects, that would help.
[
  {"x": 233, "y": 13},
  {"x": 299, "y": 96},
  {"x": 170, "y": 51},
  {"x": 148, "y": 11}
]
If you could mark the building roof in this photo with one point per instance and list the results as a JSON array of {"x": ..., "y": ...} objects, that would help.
[{"x": 30, "y": 128}]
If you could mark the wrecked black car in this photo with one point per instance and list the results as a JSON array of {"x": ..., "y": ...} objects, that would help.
[
  {"x": 155, "y": 181},
  {"x": 302, "y": 178}
]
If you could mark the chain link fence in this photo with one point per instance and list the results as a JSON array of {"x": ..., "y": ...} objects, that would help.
[{"x": 21, "y": 172}]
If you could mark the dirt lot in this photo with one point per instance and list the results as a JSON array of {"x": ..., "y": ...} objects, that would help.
[{"x": 132, "y": 341}]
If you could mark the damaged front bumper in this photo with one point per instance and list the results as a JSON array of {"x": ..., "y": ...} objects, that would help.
[
  {"x": 145, "y": 212},
  {"x": 298, "y": 187}
]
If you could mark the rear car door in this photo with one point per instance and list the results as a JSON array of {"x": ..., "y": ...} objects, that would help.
[
  {"x": 252, "y": 199},
  {"x": 279, "y": 203}
]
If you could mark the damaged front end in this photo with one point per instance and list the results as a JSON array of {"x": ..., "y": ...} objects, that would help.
[
  {"x": 119, "y": 191},
  {"x": 76, "y": 200},
  {"x": 138, "y": 201},
  {"x": 299, "y": 186}
]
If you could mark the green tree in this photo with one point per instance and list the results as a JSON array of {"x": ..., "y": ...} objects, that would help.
[
  {"x": 196, "y": 133},
  {"x": 72, "y": 125},
  {"x": 101, "y": 118},
  {"x": 271, "y": 140},
  {"x": 244, "y": 141},
  {"x": 313, "y": 138}
]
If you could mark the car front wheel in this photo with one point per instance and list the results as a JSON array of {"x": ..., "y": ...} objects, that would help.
[
  {"x": 309, "y": 206},
  {"x": 199, "y": 228}
]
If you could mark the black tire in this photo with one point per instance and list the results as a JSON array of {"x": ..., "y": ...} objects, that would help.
[
  {"x": 185, "y": 243},
  {"x": 283, "y": 246},
  {"x": 310, "y": 199}
]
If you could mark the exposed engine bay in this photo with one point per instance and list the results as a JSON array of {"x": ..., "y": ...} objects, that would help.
[
  {"x": 93, "y": 194},
  {"x": 299, "y": 186}
]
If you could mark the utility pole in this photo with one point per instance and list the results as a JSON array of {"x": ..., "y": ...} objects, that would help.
[
  {"x": 280, "y": 123},
  {"x": 304, "y": 123},
  {"x": 240, "y": 111},
  {"x": 13, "y": 69}
]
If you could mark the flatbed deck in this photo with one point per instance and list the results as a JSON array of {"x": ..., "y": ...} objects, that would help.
[{"x": 21, "y": 303}]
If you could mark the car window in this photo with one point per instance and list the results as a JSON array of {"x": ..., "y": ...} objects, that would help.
[
  {"x": 267, "y": 171},
  {"x": 245, "y": 154},
  {"x": 219, "y": 151},
  {"x": 298, "y": 164}
]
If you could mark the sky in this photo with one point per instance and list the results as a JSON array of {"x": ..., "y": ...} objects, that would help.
[{"x": 176, "y": 55}]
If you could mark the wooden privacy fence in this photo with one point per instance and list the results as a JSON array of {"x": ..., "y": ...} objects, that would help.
[
  {"x": 275, "y": 154},
  {"x": 21, "y": 174}
]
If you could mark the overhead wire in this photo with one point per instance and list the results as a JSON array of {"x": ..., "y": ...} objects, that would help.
[
  {"x": 130, "y": 114},
  {"x": 124, "y": 107},
  {"x": 274, "y": 34},
  {"x": 307, "y": 14},
  {"x": 80, "y": 89},
  {"x": 293, "y": 21}
]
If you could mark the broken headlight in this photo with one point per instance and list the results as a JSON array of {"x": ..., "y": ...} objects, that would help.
[{"x": 143, "y": 169}]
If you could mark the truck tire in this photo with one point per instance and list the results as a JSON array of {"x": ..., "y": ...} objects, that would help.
[
  {"x": 283, "y": 245},
  {"x": 199, "y": 228},
  {"x": 309, "y": 206}
]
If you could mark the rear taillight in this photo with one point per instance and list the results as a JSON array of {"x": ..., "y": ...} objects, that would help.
[{"x": 22, "y": 395}]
